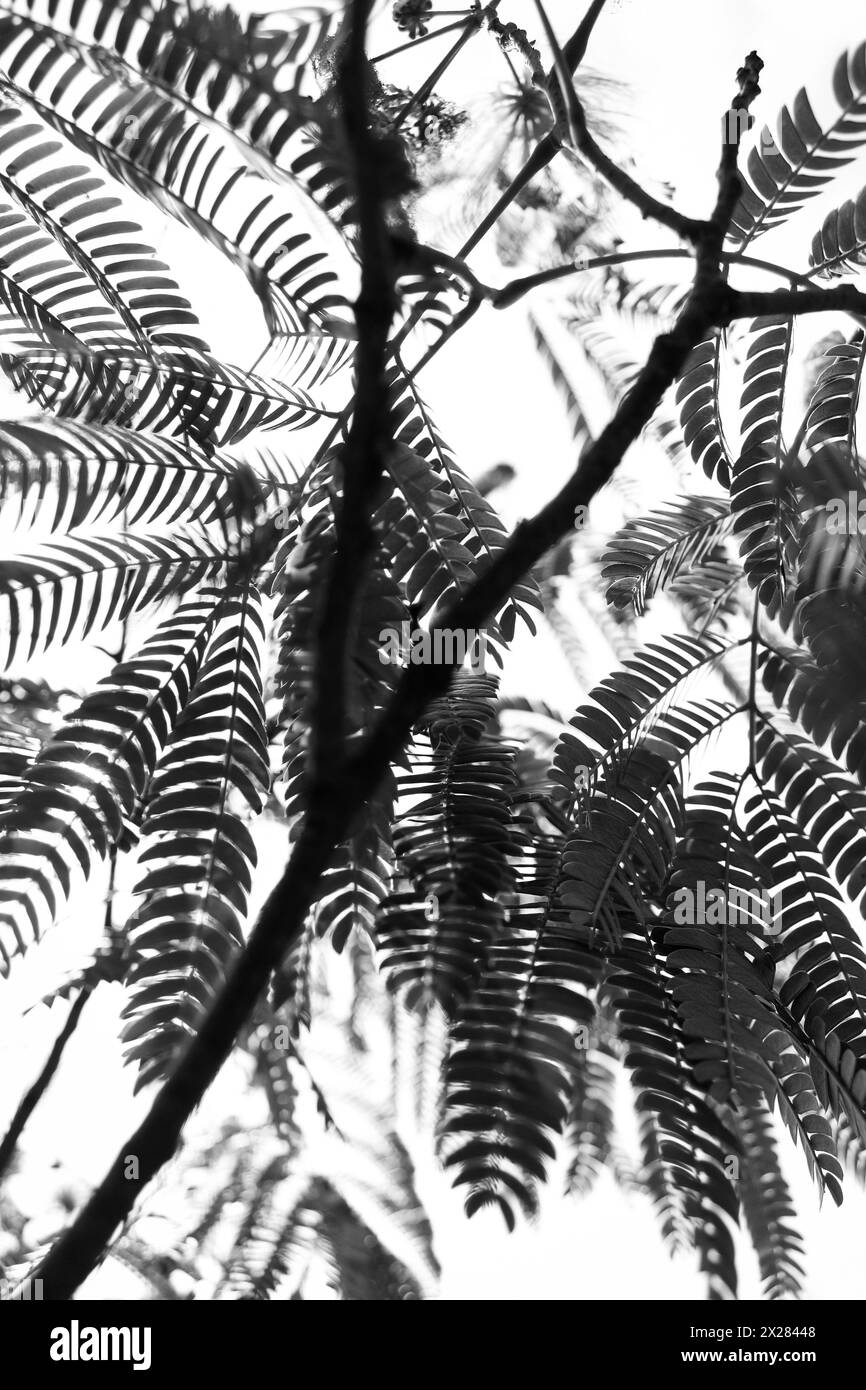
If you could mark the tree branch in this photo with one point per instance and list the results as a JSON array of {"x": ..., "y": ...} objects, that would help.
[
  {"x": 549, "y": 145},
  {"x": 571, "y": 128},
  {"x": 757, "y": 303},
  {"x": 41, "y": 1084},
  {"x": 363, "y": 458}
]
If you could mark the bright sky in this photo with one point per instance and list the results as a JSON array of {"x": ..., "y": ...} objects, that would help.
[{"x": 677, "y": 60}]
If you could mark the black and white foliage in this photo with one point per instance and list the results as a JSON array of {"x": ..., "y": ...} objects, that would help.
[{"x": 504, "y": 880}]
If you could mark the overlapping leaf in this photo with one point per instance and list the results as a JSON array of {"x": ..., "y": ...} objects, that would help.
[
  {"x": 68, "y": 588},
  {"x": 91, "y": 775},
  {"x": 698, "y": 396},
  {"x": 651, "y": 552},
  {"x": 783, "y": 173},
  {"x": 839, "y": 248},
  {"x": 196, "y": 853}
]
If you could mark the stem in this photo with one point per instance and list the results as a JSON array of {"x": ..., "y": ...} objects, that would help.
[
  {"x": 426, "y": 87},
  {"x": 753, "y": 681},
  {"x": 504, "y": 298},
  {"x": 41, "y": 1084},
  {"x": 425, "y": 38}
]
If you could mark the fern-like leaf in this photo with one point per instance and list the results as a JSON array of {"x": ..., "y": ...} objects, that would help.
[
  {"x": 196, "y": 853},
  {"x": 698, "y": 396},
  {"x": 767, "y": 1206},
  {"x": 762, "y": 502},
  {"x": 783, "y": 175},
  {"x": 839, "y": 248},
  {"x": 650, "y": 553},
  {"x": 91, "y": 775}
]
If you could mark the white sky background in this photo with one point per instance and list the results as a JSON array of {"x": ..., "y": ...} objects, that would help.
[{"x": 677, "y": 60}]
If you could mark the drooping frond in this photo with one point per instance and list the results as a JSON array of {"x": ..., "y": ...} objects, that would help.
[
  {"x": 359, "y": 873},
  {"x": 274, "y": 1237},
  {"x": 510, "y": 1071},
  {"x": 767, "y": 1206},
  {"x": 709, "y": 594},
  {"x": 825, "y": 709},
  {"x": 651, "y": 552},
  {"x": 625, "y": 834},
  {"x": 362, "y": 1268},
  {"x": 763, "y": 507},
  {"x": 690, "y": 1147},
  {"x": 830, "y": 610},
  {"x": 831, "y": 422},
  {"x": 698, "y": 396},
  {"x": 589, "y": 1134},
  {"x": 47, "y": 295},
  {"x": 537, "y": 987},
  {"x": 828, "y": 809},
  {"x": 91, "y": 775},
  {"x": 452, "y": 844},
  {"x": 619, "y": 763},
  {"x": 825, "y": 988},
  {"x": 196, "y": 853},
  {"x": 580, "y": 431},
  {"x": 415, "y": 428},
  {"x": 739, "y": 1045},
  {"x": 424, "y": 537},
  {"x": 152, "y": 140},
  {"x": 722, "y": 978},
  {"x": 245, "y": 83}
]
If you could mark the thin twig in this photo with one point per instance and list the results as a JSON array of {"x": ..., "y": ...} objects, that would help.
[
  {"x": 571, "y": 128},
  {"x": 471, "y": 27},
  {"x": 753, "y": 679},
  {"x": 416, "y": 43},
  {"x": 41, "y": 1084}
]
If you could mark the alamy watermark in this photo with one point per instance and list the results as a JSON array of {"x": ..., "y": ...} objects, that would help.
[
  {"x": 734, "y": 907},
  {"x": 738, "y": 122},
  {"x": 26, "y": 1290},
  {"x": 77, "y": 1343},
  {"x": 846, "y": 516},
  {"x": 444, "y": 646}
]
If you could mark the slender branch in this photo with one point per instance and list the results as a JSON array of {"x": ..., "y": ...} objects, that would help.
[
  {"x": 363, "y": 458},
  {"x": 459, "y": 321},
  {"x": 575, "y": 48},
  {"x": 730, "y": 185},
  {"x": 471, "y": 27},
  {"x": 516, "y": 289},
  {"x": 571, "y": 128},
  {"x": 416, "y": 43},
  {"x": 753, "y": 680},
  {"x": 549, "y": 145},
  {"x": 41, "y": 1084},
  {"x": 541, "y": 156},
  {"x": 429, "y": 258},
  {"x": 532, "y": 538}
]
